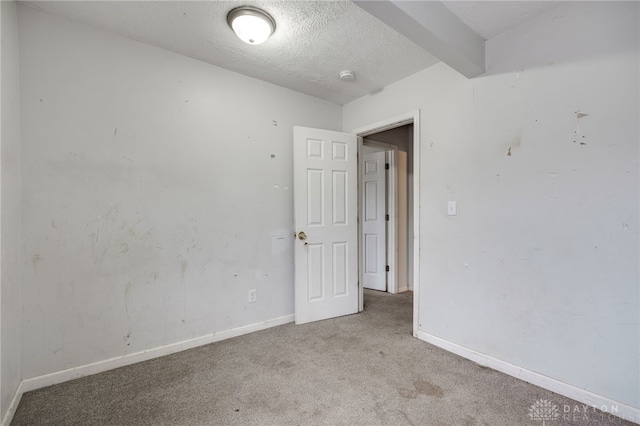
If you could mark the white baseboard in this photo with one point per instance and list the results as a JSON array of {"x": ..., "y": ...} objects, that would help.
[
  {"x": 591, "y": 399},
  {"x": 121, "y": 361},
  {"x": 403, "y": 289},
  {"x": 6, "y": 421}
]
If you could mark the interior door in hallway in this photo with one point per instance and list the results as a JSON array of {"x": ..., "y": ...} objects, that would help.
[
  {"x": 374, "y": 224},
  {"x": 326, "y": 229}
]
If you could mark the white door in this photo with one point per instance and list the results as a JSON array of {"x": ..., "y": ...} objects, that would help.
[
  {"x": 325, "y": 214},
  {"x": 374, "y": 225}
]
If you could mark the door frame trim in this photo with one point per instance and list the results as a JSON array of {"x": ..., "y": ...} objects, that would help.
[{"x": 412, "y": 117}]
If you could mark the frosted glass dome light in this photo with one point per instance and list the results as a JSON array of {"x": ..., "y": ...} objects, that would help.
[{"x": 251, "y": 25}]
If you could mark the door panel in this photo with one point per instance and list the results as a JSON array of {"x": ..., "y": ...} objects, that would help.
[
  {"x": 325, "y": 210},
  {"x": 374, "y": 226},
  {"x": 340, "y": 179}
]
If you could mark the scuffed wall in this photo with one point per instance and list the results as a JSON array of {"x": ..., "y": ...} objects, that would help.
[
  {"x": 157, "y": 192},
  {"x": 10, "y": 291},
  {"x": 540, "y": 266}
]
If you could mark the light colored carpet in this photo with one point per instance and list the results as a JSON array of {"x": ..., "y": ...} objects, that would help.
[{"x": 363, "y": 369}]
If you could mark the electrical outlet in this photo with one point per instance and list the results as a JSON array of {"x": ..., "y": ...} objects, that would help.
[{"x": 253, "y": 295}]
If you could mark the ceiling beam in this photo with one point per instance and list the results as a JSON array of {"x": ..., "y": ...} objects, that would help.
[{"x": 432, "y": 26}]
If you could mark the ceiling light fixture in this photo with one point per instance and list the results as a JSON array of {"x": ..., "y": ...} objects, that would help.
[{"x": 251, "y": 25}]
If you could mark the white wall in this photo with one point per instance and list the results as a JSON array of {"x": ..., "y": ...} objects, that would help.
[
  {"x": 157, "y": 192},
  {"x": 540, "y": 267},
  {"x": 10, "y": 307},
  {"x": 404, "y": 226}
]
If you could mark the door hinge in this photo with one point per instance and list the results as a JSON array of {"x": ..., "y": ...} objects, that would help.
[
  {"x": 386, "y": 166},
  {"x": 387, "y": 268},
  {"x": 386, "y": 216}
]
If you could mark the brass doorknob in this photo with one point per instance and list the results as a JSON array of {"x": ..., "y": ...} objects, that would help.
[{"x": 302, "y": 235}]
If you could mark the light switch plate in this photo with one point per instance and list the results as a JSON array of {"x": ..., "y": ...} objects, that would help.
[{"x": 452, "y": 208}]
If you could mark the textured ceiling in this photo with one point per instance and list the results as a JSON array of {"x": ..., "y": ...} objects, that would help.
[{"x": 313, "y": 41}]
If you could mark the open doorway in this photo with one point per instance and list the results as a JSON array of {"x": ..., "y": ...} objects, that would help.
[
  {"x": 412, "y": 146},
  {"x": 385, "y": 207}
]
